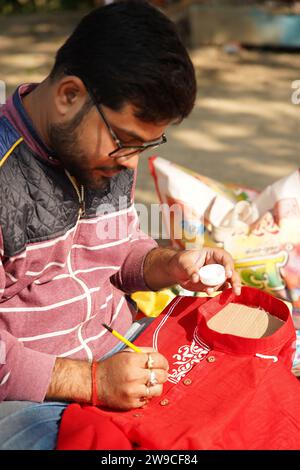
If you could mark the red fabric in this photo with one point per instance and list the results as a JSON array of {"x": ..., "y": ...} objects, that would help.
[
  {"x": 83, "y": 433},
  {"x": 219, "y": 394}
]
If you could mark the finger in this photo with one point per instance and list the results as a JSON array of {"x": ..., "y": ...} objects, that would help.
[
  {"x": 236, "y": 283},
  {"x": 223, "y": 257},
  {"x": 144, "y": 395},
  {"x": 153, "y": 391},
  {"x": 155, "y": 360},
  {"x": 231, "y": 274},
  {"x": 198, "y": 287},
  {"x": 211, "y": 290},
  {"x": 159, "y": 376},
  {"x": 193, "y": 280},
  {"x": 190, "y": 264},
  {"x": 145, "y": 349},
  {"x": 146, "y": 360},
  {"x": 144, "y": 402},
  {"x": 228, "y": 265},
  {"x": 191, "y": 274},
  {"x": 193, "y": 270}
]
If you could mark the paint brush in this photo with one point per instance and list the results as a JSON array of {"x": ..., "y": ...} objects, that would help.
[{"x": 121, "y": 338}]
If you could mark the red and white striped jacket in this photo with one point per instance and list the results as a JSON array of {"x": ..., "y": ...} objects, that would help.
[{"x": 64, "y": 267}]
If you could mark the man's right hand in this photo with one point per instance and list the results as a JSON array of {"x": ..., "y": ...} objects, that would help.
[{"x": 122, "y": 378}]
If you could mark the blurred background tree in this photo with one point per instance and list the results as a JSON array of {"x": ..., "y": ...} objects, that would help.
[{"x": 28, "y": 6}]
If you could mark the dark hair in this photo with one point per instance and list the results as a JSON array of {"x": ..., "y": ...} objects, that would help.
[{"x": 130, "y": 52}]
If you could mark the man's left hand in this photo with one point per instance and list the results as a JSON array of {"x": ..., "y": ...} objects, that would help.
[{"x": 184, "y": 267}]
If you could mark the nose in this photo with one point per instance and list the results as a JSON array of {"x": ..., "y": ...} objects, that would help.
[{"x": 131, "y": 163}]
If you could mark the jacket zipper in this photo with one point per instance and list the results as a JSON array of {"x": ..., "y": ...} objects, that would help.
[{"x": 80, "y": 194}]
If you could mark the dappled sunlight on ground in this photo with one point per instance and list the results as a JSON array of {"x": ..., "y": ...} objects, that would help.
[
  {"x": 28, "y": 44},
  {"x": 244, "y": 128}
]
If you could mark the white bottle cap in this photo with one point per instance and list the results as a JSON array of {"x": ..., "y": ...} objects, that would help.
[{"x": 212, "y": 274}]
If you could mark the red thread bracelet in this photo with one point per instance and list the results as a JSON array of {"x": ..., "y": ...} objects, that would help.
[{"x": 94, "y": 398}]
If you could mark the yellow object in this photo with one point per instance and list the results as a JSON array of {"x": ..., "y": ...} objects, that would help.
[
  {"x": 153, "y": 303},
  {"x": 203, "y": 294},
  {"x": 9, "y": 152},
  {"x": 121, "y": 338}
]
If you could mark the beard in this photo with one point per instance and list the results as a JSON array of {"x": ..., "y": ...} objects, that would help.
[{"x": 64, "y": 144}]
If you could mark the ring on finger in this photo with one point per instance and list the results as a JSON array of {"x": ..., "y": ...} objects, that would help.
[
  {"x": 144, "y": 399},
  {"x": 150, "y": 361},
  {"x": 152, "y": 380}
]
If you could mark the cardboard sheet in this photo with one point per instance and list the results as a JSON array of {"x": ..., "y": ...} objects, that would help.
[{"x": 241, "y": 320}]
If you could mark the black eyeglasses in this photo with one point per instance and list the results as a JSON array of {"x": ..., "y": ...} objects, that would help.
[
  {"x": 126, "y": 151},
  {"x": 123, "y": 151}
]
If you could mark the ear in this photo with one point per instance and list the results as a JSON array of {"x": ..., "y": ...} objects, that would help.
[{"x": 69, "y": 96}]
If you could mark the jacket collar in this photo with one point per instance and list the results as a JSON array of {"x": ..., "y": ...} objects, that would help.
[{"x": 18, "y": 104}]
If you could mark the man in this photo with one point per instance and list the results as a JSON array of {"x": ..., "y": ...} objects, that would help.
[{"x": 69, "y": 149}]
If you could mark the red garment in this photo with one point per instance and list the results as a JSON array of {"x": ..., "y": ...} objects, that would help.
[{"x": 220, "y": 394}]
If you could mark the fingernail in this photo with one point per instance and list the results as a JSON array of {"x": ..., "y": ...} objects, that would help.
[{"x": 229, "y": 273}]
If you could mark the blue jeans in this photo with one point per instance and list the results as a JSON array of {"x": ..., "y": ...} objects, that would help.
[{"x": 26, "y": 425}]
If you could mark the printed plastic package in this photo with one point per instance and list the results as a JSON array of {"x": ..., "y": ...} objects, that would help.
[{"x": 261, "y": 231}]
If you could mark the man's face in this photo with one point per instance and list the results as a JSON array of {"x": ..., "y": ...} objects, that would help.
[{"x": 83, "y": 142}]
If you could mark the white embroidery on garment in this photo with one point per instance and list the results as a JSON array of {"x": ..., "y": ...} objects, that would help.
[{"x": 186, "y": 357}]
